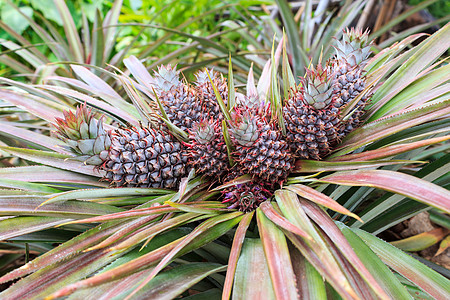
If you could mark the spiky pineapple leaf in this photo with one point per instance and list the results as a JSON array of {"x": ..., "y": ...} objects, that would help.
[
  {"x": 252, "y": 279},
  {"x": 400, "y": 183},
  {"x": 27, "y": 186},
  {"x": 333, "y": 232},
  {"x": 374, "y": 265},
  {"x": 71, "y": 31},
  {"x": 314, "y": 166},
  {"x": 310, "y": 283},
  {"x": 427, "y": 279},
  {"x": 277, "y": 257},
  {"x": 235, "y": 254},
  {"x": 17, "y": 226},
  {"x": 320, "y": 198},
  {"x": 103, "y": 193}
]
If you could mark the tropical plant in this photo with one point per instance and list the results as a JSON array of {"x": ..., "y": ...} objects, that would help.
[{"x": 283, "y": 232}]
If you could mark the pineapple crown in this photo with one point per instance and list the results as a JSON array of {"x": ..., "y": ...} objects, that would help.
[
  {"x": 354, "y": 47},
  {"x": 84, "y": 134},
  {"x": 246, "y": 125},
  {"x": 317, "y": 86},
  {"x": 246, "y": 197},
  {"x": 166, "y": 78},
  {"x": 204, "y": 132},
  {"x": 203, "y": 78},
  {"x": 81, "y": 125}
]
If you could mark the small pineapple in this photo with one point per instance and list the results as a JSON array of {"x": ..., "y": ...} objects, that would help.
[
  {"x": 261, "y": 150},
  {"x": 205, "y": 91},
  {"x": 84, "y": 135},
  {"x": 208, "y": 151},
  {"x": 311, "y": 115},
  {"x": 145, "y": 157},
  {"x": 178, "y": 98},
  {"x": 348, "y": 65}
]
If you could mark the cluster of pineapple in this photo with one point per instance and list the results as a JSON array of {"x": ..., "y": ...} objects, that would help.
[{"x": 153, "y": 157}]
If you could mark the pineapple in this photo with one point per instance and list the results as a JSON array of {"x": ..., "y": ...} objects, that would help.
[
  {"x": 136, "y": 157},
  {"x": 84, "y": 135},
  {"x": 348, "y": 64},
  {"x": 312, "y": 115},
  {"x": 260, "y": 148},
  {"x": 145, "y": 157},
  {"x": 246, "y": 197},
  {"x": 205, "y": 91},
  {"x": 178, "y": 98},
  {"x": 208, "y": 151}
]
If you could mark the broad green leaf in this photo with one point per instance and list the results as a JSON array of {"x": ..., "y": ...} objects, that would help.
[
  {"x": 428, "y": 280},
  {"x": 421, "y": 241},
  {"x": 252, "y": 279},
  {"x": 400, "y": 183},
  {"x": 374, "y": 265},
  {"x": 277, "y": 257},
  {"x": 235, "y": 253}
]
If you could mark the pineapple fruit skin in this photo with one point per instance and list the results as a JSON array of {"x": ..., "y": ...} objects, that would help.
[{"x": 145, "y": 157}]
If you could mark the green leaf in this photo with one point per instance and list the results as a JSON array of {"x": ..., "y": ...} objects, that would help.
[
  {"x": 71, "y": 31},
  {"x": 252, "y": 279},
  {"x": 374, "y": 265},
  {"x": 277, "y": 257},
  {"x": 13, "y": 227},
  {"x": 428, "y": 280}
]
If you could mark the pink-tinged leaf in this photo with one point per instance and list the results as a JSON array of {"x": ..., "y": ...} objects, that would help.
[
  {"x": 385, "y": 127},
  {"x": 32, "y": 104},
  {"x": 48, "y": 174},
  {"x": 443, "y": 246},
  {"x": 375, "y": 266},
  {"x": 236, "y": 248},
  {"x": 333, "y": 232},
  {"x": 54, "y": 160},
  {"x": 252, "y": 280},
  {"x": 150, "y": 259},
  {"x": 278, "y": 258},
  {"x": 239, "y": 180},
  {"x": 396, "y": 182},
  {"x": 28, "y": 205},
  {"x": 319, "y": 198},
  {"x": 138, "y": 70},
  {"x": 315, "y": 166},
  {"x": 193, "y": 208},
  {"x": 208, "y": 224},
  {"x": 123, "y": 231},
  {"x": 32, "y": 137},
  {"x": 71, "y": 31},
  {"x": 75, "y": 245},
  {"x": 18, "y": 226},
  {"x": 86, "y": 194},
  {"x": 275, "y": 217},
  {"x": 126, "y": 214},
  {"x": 425, "y": 278},
  {"x": 152, "y": 230},
  {"x": 421, "y": 241},
  {"x": 316, "y": 251},
  {"x": 390, "y": 150},
  {"x": 124, "y": 115},
  {"x": 171, "y": 283},
  {"x": 310, "y": 283}
]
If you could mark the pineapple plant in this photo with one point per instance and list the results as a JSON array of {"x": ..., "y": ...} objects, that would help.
[
  {"x": 205, "y": 91},
  {"x": 284, "y": 241}
]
